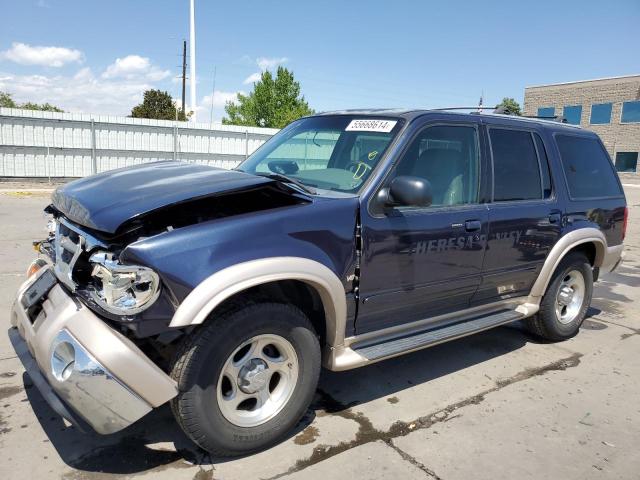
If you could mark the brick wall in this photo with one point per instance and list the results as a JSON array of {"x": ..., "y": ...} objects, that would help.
[{"x": 616, "y": 137}]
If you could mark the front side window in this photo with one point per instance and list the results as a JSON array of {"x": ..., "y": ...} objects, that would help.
[
  {"x": 516, "y": 172},
  {"x": 630, "y": 112},
  {"x": 572, "y": 114},
  {"x": 587, "y": 168},
  {"x": 332, "y": 152},
  {"x": 547, "y": 112},
  {"x": 601, "y": 114},
  {"x": 447, "y": 156}
]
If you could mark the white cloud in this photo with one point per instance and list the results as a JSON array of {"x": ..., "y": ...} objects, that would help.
[
  {"x": 264, "y": 64},
  {"x": 82, "y": 92},
  {"x": 135, "y": 67},
  {"x": 38, "y": 55},
  {"x": 253, "y": 78},
  {"x": 220, "y": 99}
]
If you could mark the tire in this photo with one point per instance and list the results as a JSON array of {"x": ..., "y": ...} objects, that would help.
[
  {"x": 215, "y": 370},
  {"x": 556, "y": 321}
]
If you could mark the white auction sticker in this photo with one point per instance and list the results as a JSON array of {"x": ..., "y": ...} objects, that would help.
[{"x": 371, "y": 125}]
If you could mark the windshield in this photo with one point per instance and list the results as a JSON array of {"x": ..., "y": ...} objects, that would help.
[{"x": 336, "y": 152}]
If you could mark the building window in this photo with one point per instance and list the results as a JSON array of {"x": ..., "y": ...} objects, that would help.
[
  {"x": 630, "y": 112},
  {"x": 627, "y": 161},
  {"x": 547, "y": 112},
  {"x": 572, "y": 114},
  {"x": 600, "y": 114}
]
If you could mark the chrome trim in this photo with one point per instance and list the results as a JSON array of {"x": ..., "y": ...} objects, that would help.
[{"x": 63, "y": 244}]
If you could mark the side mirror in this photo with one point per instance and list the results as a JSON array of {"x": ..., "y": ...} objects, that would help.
[{"x": 410, "y": 192}]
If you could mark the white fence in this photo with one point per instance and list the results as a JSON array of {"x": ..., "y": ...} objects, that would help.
[{"x": 46, "y": 144}]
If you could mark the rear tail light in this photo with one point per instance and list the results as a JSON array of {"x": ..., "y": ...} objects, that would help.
[{"x": 625, "y": 222}]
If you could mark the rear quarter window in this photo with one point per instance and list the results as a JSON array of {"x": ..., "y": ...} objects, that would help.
[{"x": 587, "y": 168}]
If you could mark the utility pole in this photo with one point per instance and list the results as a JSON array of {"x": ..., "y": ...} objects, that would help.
[
  {"x": 192, "y": 50},
  {"x": 213, "y": 93},
  {"x": 184, "y": 73}
]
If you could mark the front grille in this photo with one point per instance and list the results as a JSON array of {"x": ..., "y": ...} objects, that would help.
[{"x": 68, "y": 245}]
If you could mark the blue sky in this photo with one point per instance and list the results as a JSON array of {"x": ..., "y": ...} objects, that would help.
[{"x": 98, "y": 56}]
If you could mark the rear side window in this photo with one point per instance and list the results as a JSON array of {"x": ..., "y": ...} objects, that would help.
[
  {"x": 516, "y": 171},
  {"x": 587, "y": 168}
]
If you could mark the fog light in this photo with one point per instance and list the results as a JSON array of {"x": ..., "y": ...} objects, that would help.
[
  {"x": 62, "y": 360},
  {"x": 35, "y": 266}
]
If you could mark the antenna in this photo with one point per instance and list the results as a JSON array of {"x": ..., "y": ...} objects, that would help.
[{"x": 184, "y": 73}]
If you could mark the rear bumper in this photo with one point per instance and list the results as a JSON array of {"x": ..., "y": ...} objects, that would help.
[
  {"x": 87, "y": 371},
  {"x": 613, "y": 257}
]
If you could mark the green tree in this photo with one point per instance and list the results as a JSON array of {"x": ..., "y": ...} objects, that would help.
[
  {"x": 509, "y": 106},
  {"x": 6, "y": 100},
  {"x": 274, "y": 102},
  {"x": 157, "y": 105},
  {"x": 45, "y": 107}
]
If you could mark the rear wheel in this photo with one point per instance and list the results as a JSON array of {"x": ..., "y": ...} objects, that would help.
[
  {"x": 566, "y": 301},
  {"x": 246, "y": 378}
]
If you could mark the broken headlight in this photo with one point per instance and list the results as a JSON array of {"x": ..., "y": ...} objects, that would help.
[{"x": 122, "y": 289}]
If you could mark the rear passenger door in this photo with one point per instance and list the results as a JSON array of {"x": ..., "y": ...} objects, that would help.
[{"x": 524, "y": 214}]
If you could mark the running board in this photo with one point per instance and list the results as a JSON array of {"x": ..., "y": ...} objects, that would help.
[{"x": 428, "y": 338}]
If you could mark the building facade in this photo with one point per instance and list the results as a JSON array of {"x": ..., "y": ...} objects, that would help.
[{"x": 608, "y": 106}]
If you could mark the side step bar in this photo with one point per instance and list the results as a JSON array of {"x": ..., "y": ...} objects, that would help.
[{"x": 428, "y": 338}]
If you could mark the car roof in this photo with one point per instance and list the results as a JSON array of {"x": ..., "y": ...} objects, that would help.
[{"x": 411, "y": 114}]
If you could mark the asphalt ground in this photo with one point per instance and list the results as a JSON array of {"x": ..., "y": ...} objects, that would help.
[{"x": 497, "y": 405}]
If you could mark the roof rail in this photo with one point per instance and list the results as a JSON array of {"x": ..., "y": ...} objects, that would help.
[{"x": 556, "y": 118}]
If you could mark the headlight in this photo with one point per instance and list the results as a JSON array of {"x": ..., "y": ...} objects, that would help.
[{"x": 122, "y": 289}]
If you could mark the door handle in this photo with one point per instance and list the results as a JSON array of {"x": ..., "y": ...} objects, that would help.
[
  {"x": 472, "y": 225},
  {"x": 555, "y": 217}
]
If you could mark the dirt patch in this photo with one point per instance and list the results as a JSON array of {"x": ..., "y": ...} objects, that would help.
[
  {"x": 393, "y": 400},
  {"x": 308, "y": 435},
  {"x": 6, "y": 392}
]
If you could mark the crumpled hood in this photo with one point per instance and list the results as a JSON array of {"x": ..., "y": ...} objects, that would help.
[{"x": 105, "y": 201}]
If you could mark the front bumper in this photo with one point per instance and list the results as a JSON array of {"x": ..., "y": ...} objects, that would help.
[{"x": 83, "y": 367}]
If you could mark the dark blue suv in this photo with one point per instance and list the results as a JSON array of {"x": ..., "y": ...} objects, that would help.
[{"x": 346, "y": 239}]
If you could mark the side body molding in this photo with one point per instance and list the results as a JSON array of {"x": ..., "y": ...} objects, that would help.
[{"x": 237, "y": 278}]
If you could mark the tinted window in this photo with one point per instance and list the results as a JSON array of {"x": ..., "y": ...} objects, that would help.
[
  {"x": 515, "y": 166},
  {"x": 547, "y": 187},
  {"x": 446, "y": 156},
  {"x": 572, "y": 114},
  {"x": 546, "y": 112},
  {"x": 630, "y": 112},
  {"x": 587, "y": 168},
  {"x": 601, "y": 114},
  {"x": 627, "y": 161}
]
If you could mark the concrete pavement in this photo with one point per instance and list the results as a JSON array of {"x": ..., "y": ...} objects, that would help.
[{"x": 498, "y": 405}]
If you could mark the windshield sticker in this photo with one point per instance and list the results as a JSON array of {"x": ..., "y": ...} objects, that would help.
[{"x": 370, "y": 125}]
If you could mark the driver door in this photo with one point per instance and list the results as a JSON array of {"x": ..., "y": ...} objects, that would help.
[{"x": 420, "y": 262}]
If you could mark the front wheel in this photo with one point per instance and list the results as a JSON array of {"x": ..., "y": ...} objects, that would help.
[
  {"x": 566, "y": 301},
  {"x": 246, "y": 378}
]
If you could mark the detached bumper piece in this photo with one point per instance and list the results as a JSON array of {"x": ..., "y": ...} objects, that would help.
[{"x": 86, "y": 371}]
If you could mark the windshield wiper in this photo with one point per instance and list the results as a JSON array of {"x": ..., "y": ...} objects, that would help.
[{"x": 285, "y": 179}]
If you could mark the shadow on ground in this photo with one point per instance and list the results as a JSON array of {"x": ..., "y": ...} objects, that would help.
[{"x": 156, "y": 442}]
